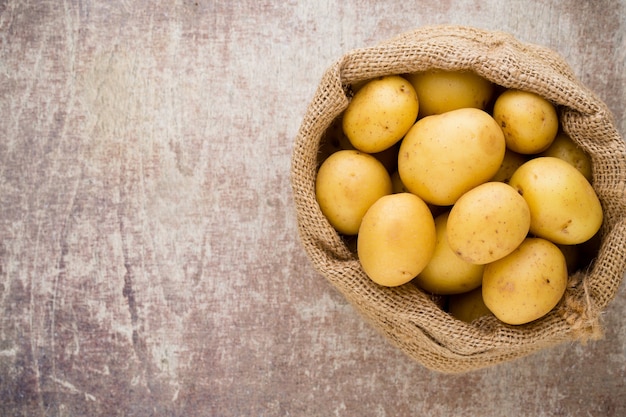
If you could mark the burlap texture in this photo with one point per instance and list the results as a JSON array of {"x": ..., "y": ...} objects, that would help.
[{"x": 406, "y": 315}]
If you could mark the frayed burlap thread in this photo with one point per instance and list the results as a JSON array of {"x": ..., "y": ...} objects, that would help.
[{"x": 408, "y": 317}]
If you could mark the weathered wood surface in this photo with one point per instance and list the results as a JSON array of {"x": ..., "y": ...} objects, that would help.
[{"x": 149, "y": 260}]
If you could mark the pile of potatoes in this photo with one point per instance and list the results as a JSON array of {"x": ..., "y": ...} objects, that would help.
[{"x": 464, "y": 188}]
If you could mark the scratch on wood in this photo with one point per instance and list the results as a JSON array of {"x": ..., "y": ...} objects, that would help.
[
  {"x": 128, "y": 291},
  {"x": 72, "y": 388}
]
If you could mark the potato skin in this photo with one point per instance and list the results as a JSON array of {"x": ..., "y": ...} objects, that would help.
[
  {"x": 396, "y": 239},
  {"x": 447, "y": 273},
  {"x": 380, "y": 113},
  {"x": 529, "y": 122},
  {"x": 563, "y": 147},
  {"x": 441, "y": 91},
  {"x": 468, "y": 306},
  {"x": 443, "y": 156},
  {"x": 487, "y": 212},
  {"x": 564, "y": 207},
  {"x": 334, "y": 139},
  {"x": 526, "y": 284},
  {"x": 487, "y": 223},
  {"x": 348, "y": 183},
  {"x": 510, "y": 163}
]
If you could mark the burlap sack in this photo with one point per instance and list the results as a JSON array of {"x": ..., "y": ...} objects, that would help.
[{"x": 406, "y": 315}]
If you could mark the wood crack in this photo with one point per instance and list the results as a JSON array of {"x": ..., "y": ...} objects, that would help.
[{"x": 128, "y": 291}]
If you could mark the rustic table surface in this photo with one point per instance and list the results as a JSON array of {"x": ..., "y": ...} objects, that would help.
[{"x": 149, "y": 257}]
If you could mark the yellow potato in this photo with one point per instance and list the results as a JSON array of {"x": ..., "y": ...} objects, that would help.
[
  {"x": 347, "y": 184},
  {"x": 380, "y": 113},
  {"x": 445, "y": 155},
  {"x": 564, "y": 208},
  {"x": 487, "y": 223},
  {"x": 441, "y": 91},
  {"x": 446, "y": 273},
  {"x": 398, "y": 187},
  {"x": 396, "y": 239},
  {"x": 527, "y": 284},
  {"x": 510, "y": 163},
  {"x": 468, "y": 306},
  {"x": 529, "y": 121},
  {"x": 335, "y": 140},
  {"x": 563, "y": 147}
]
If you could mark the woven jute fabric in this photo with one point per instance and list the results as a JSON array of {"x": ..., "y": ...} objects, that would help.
[{"x": 408, "y": 317}]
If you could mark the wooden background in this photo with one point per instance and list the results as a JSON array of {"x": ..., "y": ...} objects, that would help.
[{"x": 149, "y": 259}]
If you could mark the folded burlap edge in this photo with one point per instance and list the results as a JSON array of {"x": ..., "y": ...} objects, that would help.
[{"x": 409, "y": 318}]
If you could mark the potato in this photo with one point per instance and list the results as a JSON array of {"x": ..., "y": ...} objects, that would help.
[
  {"x": 443, "y": 156},
  {"x": 529, "y": 121},
  {"x": 564, "y": 208},
  {"x": 487, "y": 223},
  {"x": 510, "y": 163},
  {"x": 563, "y": 147},
  {"x": 380, "y": 113},
  {"x": 441, "y": 91},
  {"x": 398, "y": 187},
  {"x": 468, "y": 306},
  {"x": 526, "y": 284},
  {"x": 335, "y": 140},
  {"x": 396, "y": 239},
  {"x": 446, "y": 273},
  {"x": 348, "y": 183}
]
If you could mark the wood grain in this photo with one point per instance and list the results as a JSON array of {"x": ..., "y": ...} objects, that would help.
[{"x": 149, "y": 258}]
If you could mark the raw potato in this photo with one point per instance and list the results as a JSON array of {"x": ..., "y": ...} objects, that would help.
[
  {"x": 443, "y": 156},
  {"x": 398, "y": 187},
  {"x": 468, "y": 306},
  {"x": 396, "y": 239},
  {"x": 510, "y": 163},
  {"x": 380, "y": 113},
  {"x": 488, "y": 222},
  {"x": 467, "y": 189},
  {"x": 529, "y": 121},
  {"x": 441, "y": 91},
  {"x": 564, "y": 208},
  {"x": 348, "y": 183},
  {"x": 526, "y": 284},
  {"x": 446, "y": 273},
  {"x": 335, "y": 140},
  {"x": 563, "y": 147}
]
